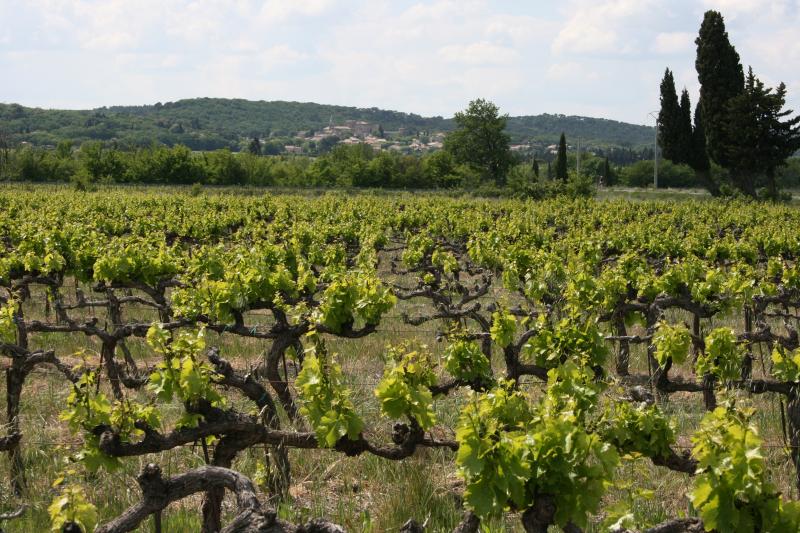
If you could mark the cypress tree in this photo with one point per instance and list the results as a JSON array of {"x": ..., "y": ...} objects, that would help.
[
  {"x": 561, "y": 159},
  {"x": 684, "y": 129},
  {"x": 549, "y": 171},
  {"x": 535, "y": 167},
  {"x": 255, "y": 146},
  {"x": 607, "y": 178},
  {"x": 669, "y": 119},
  {"x": 763, "y": 140},
  {"x": 783, "y": 136},
  {"x": 721, "y": 78},
  {"x": 698, "y": 156}
]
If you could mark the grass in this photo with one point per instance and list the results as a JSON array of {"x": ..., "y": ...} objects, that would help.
[
  {"x": 640, "y": 194},
  {"x": 666, "y": 194}
]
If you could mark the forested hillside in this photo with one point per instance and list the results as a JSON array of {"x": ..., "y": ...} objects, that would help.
[
  {"x": 599, "y": 132},
  {"x": 210, "y": 123}
]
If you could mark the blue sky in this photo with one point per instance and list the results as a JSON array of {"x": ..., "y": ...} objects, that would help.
[{"x": 596, "y": 58}]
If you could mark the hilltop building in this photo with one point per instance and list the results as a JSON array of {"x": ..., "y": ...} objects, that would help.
[{"x": 360, "y": 128}]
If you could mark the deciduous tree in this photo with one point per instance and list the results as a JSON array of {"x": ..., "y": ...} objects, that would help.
[{"x": 480, "y": 140}]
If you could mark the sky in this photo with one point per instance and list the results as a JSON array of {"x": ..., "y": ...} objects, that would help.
[{"x": 600, "y": 58}]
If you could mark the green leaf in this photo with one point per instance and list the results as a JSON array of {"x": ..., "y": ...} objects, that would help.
[
  {"x": 504, "y": 327},
  {"x": 325, "y": 400},
  {"x": 405, "y": 387},
  {"x": 671, "y": 343}
]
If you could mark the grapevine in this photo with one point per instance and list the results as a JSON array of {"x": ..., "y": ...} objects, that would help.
[{"x": 244, "y": 331}]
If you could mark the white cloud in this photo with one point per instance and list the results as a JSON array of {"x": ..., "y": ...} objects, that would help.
[
  {"x": 778, "y": 49},
  {"x": 480, "y": 53},
  {"x": 281, "y": 10},
  {"x": 518, "y": 30},
  {"x": 441, "y": 11},
  {"x": 280, "y": 55},
  {"x": 728, "y": 6},
  {"x": 670, "y": 43},
  {"x": 571, "y": 71},
  {"x": 600, "y": 27},
  {"x": 169, "y": 61},
  {"x": 586, "y": 37},
  {"x": 431, "y": 58},
  {"x": 732, "y": 9},
  {"x": 110, "y": 41}
]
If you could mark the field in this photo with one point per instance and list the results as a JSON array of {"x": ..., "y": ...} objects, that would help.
[{"x": 397, "y": 361}]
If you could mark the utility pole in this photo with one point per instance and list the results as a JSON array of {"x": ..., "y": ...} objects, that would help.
[{"x": 654, "y": 114}]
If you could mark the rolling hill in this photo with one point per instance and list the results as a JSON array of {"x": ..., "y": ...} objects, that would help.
[{"x": 210, "y": 123}]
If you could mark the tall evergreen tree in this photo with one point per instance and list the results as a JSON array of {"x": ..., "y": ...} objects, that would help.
[
  {"x": 698, "y": 156},
  {"x": 684, "y": 130},
  {"x": 763, "y": 140},
  {"x": 783, "y": 136},
  {"x": 5, "y": 153},
  {"x": 549, "y": 171},
  {"x": 607, "y": 177},
  {"x": 255, "y": 146},
  {"x": 561, "y": 159},
  {"x": 669, "y": 131},
  {"x": 535, "y": 167},
  {"x": 721, "y": 78}
]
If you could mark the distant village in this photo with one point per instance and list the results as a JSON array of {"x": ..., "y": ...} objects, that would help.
[{"x": 361, "y": 132}]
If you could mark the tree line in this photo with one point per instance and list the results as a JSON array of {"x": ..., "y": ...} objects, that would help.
[
  {"x": 344, "y": 166},
  {"x": 739, "y": 124}
]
